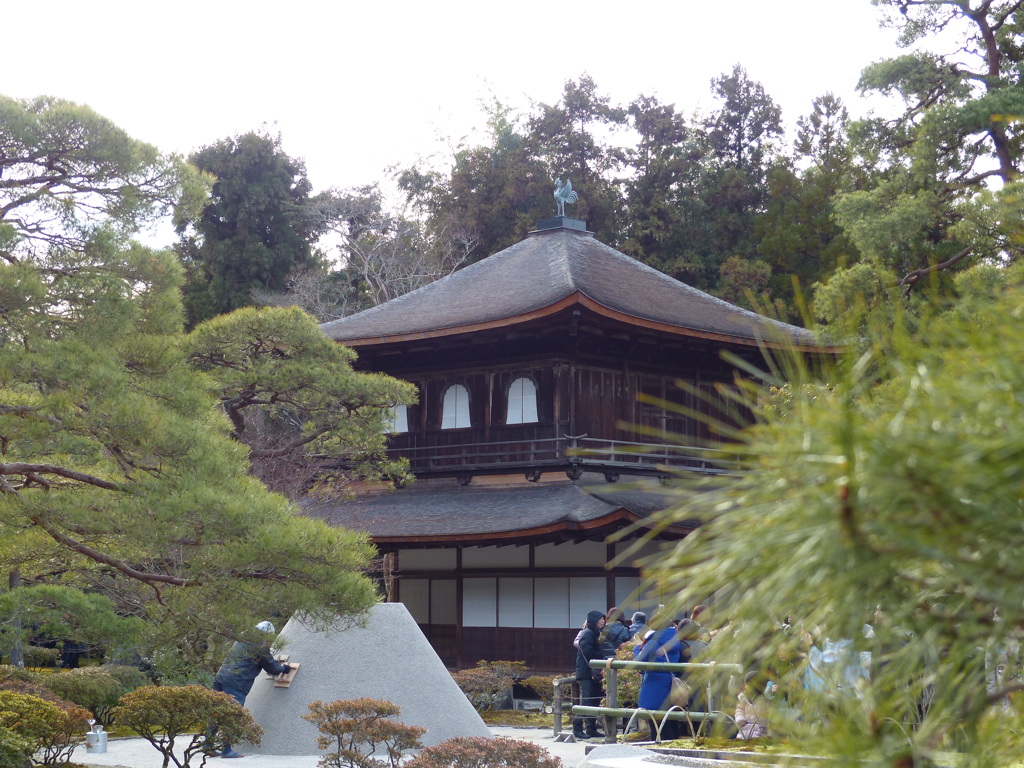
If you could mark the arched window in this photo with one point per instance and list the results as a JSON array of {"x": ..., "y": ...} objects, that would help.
[
  {"x": 397, "y": 419},
  {"x": 522, "y": 402},
  {"x": 455, "y": 408}
]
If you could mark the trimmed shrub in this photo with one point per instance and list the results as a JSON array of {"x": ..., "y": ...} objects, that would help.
[
  {"x": 488, "y": 685},
  {"x": 357, "y": 728},
  {"x": 128, "y": 679},
  {"x": 163, "y": 714},
  {"x": 28, "y": 716},
  {"x": 89, "y": 687},
  {"x": 543, "y": 686},
  {"x": 48, "y": 729},
  {"x": 127, "y": 676},
  {"x": 7, "y": 672},
  {"x": 35, "y": 656},
  {"x": 32, "y": 689},
  {"x": 69, "y": 729},
  {"x": 515, "y": 670},
  {"x": 479, "y": 752},
  {"x": 15, "y": 752}
]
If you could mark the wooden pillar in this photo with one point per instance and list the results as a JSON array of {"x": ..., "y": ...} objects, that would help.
[{"x": 460, "y": 654}]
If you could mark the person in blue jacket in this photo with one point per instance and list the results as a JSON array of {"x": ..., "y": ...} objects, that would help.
[
  {"x": 661, "y": 646},
  {"x": 241, "y": 668}
]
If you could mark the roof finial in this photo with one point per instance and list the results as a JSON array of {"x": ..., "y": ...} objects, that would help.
[{"x": 564, "y": 194}]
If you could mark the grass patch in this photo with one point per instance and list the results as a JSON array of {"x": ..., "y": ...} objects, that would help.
[
  {"x": 721, "y": 744},
  {"x": 519, "y": 719}
]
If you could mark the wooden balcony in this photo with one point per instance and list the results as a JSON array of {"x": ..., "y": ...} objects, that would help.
[{"x": 456, "y": 453}]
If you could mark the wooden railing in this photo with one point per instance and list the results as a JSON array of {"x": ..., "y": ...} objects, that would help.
[
  {"x": 444, "y": 453},
  {"x": 612, "y": 711}
]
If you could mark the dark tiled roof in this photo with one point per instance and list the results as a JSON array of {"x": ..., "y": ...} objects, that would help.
[
  {"x": 428, "y": 509},
  {"x": 546, "y": 268}
]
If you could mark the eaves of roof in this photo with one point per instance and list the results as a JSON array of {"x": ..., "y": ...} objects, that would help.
[
  {"x": 449, "y": 513},
  {"x": 548, "y": 272}
]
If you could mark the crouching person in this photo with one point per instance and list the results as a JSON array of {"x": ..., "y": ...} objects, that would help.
[{"x": 241, "y": 668}]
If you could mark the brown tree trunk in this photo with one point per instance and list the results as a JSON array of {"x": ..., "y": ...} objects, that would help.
[{"x": 17, "y": 653}]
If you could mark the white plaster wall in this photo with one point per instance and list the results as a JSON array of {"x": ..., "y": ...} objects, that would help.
[
  {"x": 426, "y": 560},
  {"x": 585, "y": 554},
  {"x": 496, "y": 557}
]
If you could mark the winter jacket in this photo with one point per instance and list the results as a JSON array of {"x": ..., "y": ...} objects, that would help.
[
  {"x": 655, "y": 687},
  {"x": 615, "y": 634},
  {"x": 751, "y": 718},
  {"x": 589, "y": 648},
  {"x": 243, "y": 665}
]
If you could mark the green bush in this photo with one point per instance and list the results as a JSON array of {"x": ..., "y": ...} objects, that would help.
[
  {"x": 355, "y": 728},
  {"x": 163, "y": 714},
  {"x": 41, "y": 657},
  {"x": 516, "y": 670},
  {"x": 629, "y": 679},
  {"x": 479, "y": 752},
  {"x": 89, "y": 687},
  {"x": 128, "y": 679},
  {"x": 489, "y": 684},
  {"x": 68, "y": 731},
  {"x": 48, "y": 729},
  {"x": 127, "y": 676},
  {"x": 542, "y": 686},
  {"x": 15, "y": 752},
  {"x": 170, "y": 667},
  {"x": 28, "y": 716},
  {"x": 18, "y": 684},
  {"x": 7, "y": 672}
]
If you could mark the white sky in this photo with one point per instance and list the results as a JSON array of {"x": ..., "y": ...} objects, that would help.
[{"x": 354, "y": 88}]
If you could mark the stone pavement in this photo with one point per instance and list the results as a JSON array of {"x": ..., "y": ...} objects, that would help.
[{"x": 139, "y": 753}]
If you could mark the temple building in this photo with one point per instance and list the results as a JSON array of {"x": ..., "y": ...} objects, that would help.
[{"x": 547, "y": 375}]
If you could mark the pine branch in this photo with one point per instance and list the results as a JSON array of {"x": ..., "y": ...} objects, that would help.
[
  {"x": 22, "y": 468},
  {"x": 99, "y": 557},
  {"x": 913, "y": 278}
]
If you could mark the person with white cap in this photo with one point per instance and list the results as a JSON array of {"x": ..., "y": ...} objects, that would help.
[{"x": 241, "y": 668}]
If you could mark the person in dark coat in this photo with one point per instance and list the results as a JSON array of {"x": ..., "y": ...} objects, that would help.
[
  {"x": 241, "y": 668},
  {"x": 589, "y": 679},
  {"x": 615, "y": 633}
]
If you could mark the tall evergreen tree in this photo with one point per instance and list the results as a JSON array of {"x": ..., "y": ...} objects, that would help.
[
  {"x": 743, "y": 133},
  {"x": 960, "y": 104},
  {"x": 659, "y": 209},
  {"x": 932, "y": 211},
  {"x": 797, "y": 235},
  {"x": 493, "y": 194},
  {"x": 118, "y": 472},
  {"x": 251, "y": 235},
  {"x": 570, "y": 138},
  {"x": 741, "y": 141}
]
